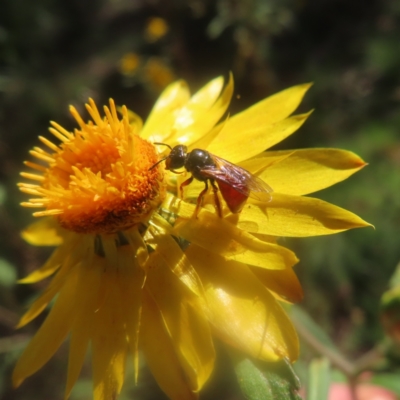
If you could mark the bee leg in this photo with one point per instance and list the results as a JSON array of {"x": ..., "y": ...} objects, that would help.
[
  {"x": 216, "y": 198},
  {"x": 200, "y": 199},
  {"x": 183, "y": 184}
]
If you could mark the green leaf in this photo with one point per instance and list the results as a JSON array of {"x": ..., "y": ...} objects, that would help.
[
  {"x": 319, "y": 379},
  {"x": 265, "y": 381}
]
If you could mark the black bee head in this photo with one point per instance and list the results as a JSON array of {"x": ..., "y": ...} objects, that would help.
[{"x": 177, "y": 157}]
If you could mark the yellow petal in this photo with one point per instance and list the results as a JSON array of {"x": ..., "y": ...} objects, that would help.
[
  {"x": 62, "y": 255},
  {"x": 134, "y": 120},
  {"x": 202, "y": 112},
  {"x": 51, "y": 334},
  {"x": 305, "y": 171},
  {"x": 54, "y": 287},
  {"x": 258, "y": 137},
  {"x": 44, "y": 232},
  {"x": 51, "y": 266},
  {"x": 206, "y": 139},
  {"x": 108, "y": 364},
  {"x": 176, "y": 260},
  {"x": 222, "y": 237},
  {"x": 209, "y": 93},
  {"x": 297, "y": 216},
  {"x": 40, "y": 303},
  {"x": 90, "y": 277},
  {"x": 137, "y": 242},
  {"x": 78, "y": 345},
  {"x": 243, "y": 313},
  {"x": 131, "y": 281},
  {"x": 109, "y": 346},
  {"x": 284, "y": 284},
  {"x": 110, "y": 249},
  {"x": 160, "y": 354},
  {"x": 187, "y": 327},
  {"x": 257, "y": 120},
  {"x": 159, "y": 124},
  {"x": 118, "y": 306},
  {"x": 276, "y": 107}
]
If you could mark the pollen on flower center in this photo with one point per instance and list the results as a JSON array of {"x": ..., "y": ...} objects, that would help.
[{"x": 99, "y": 179}]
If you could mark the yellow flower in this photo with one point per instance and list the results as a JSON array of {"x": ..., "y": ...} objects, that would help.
[{"x": 135, "y": 273}]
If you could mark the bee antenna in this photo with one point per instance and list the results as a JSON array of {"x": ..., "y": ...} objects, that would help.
[
  {"x": 163, "y": 144},
  {"x": 158, "y": 162}
]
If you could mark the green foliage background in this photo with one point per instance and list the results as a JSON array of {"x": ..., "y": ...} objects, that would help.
[{"x": 56, "y": 53}]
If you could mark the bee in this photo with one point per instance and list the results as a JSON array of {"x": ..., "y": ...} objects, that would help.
[{"x": 236, "y": 184}]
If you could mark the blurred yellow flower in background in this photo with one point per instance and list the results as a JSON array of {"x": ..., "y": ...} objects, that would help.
[
  {"x": 157, "y": 73},
  {"x": 130, "y": 64},
  {"x": 135, "y": 273},
  {"x": 156, "y": 28}
]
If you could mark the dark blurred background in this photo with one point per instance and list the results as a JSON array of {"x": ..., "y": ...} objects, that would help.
[{"x": 56, "y": 53}]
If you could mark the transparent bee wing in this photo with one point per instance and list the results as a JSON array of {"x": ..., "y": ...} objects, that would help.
[{"x": 238, "y": 178}]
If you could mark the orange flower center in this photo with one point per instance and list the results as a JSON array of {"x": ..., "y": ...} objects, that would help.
[{"x": 99, "y": 179}]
